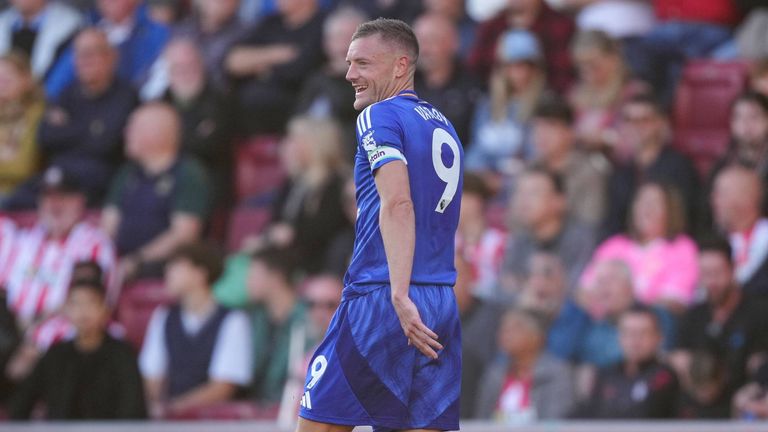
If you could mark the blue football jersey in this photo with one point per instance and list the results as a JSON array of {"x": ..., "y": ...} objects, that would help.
[{"x": 410, "y": 130}]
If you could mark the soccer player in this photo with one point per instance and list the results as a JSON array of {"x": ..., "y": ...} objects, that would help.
[{"x": 392, "y": 355}]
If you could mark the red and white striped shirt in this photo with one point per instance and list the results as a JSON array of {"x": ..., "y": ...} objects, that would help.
[
  {"x": 485, "y": 259},
  {"x": 7, "y": 236},
  {"x": 40, "y": 267}
]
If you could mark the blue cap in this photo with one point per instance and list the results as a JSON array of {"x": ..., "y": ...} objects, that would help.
[{"x": 518, "y": 46}]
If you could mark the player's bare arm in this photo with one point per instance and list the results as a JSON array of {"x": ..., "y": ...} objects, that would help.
[{"x": 397, "y": 222}]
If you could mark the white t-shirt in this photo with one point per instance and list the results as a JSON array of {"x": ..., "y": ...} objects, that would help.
[{"x": 232, "y": 359}]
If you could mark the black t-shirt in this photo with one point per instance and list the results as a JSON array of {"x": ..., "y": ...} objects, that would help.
[
  {"x": 744, "y": 333},
  {"x": 650, "y": 394},
  {"x": 74, "y": 385}
]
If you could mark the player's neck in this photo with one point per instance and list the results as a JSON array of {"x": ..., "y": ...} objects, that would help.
[{"x": 405, "y": 85}]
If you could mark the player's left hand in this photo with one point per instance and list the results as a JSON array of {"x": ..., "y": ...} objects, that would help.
[{"x": 418, "y": 334}]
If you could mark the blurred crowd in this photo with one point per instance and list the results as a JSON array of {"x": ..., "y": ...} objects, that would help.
[{"x": 177, "y": 212}]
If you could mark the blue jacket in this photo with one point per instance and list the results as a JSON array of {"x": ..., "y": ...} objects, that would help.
[{"x": 136, "y": 55}]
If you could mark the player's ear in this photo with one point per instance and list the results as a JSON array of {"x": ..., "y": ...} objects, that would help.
[{"x": 402, "y": 66}]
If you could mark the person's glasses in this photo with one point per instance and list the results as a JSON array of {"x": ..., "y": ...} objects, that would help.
[{"x": 316, "y": 304}]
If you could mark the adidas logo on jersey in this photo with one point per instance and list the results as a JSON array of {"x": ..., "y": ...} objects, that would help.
[{"x": 306, "y": 402}]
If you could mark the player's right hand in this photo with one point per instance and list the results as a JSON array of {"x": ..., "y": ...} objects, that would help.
[{"x": 418, "y": 334}]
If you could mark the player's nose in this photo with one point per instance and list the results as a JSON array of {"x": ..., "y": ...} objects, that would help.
[{"x": 351, "y": 73}]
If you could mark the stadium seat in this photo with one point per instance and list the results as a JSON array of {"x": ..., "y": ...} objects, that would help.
[
  {"x": 257, "y": 166},
  {"x": 702, "y": 107},
  {"x": 134, "y": 309},
  {"x": 245, "y": 221}
]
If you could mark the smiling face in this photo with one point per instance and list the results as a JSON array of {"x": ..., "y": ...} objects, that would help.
[{"x": 371, "y": 70}]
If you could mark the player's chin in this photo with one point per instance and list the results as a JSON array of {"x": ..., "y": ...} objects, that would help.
[{"x": 361, "y": 102}]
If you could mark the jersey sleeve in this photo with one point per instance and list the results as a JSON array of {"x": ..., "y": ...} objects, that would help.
[{"x": 380, "y": 135}]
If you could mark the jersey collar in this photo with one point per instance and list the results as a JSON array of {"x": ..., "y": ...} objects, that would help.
[{"x": 408, "y": 93}]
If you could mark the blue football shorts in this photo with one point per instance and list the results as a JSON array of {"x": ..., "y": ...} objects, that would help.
[{"x": 364, "y": 373}]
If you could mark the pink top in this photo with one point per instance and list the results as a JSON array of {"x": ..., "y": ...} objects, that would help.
[{"x": 661, "y": 269}]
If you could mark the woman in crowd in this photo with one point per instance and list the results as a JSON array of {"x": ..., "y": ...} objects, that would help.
[
  {"x": 663, "y": 260},
  {"x": 500, "y": 132},
  {"x": 602, "y": 85},
  {"x": 21, "y": 107},
  {"x": 308, "y": 212}
]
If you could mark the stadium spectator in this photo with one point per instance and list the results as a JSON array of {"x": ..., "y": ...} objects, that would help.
[
  {"x": 441, "y": 78},
  {"x": 38, "y": 28},
  {"x": 308, "y": 212},
  {"x": 603, "y": 84},
  {"x": 640, "y": 386},
  {"x": 543, "y": 224},
  {"x": 684, "y": 31},
  {"x": 56, "y": 327},
  {"x": 478, "y": 316},
  {"x": 270, "y": 64},
  {"x": 138, "y": 40},
  {"x": 21, "y": 108},
  {"x": 196, "y": 353},
  {"x": 704, "y": 392},
  {"x": 645, "y": 130},
  {"x": 553, "y": 29},
  {"x": 749, "y": 137},
  {"x": 276, "y": 313},
  {"x": 611, "y": 296},
  {"x": 730, "y": 323},
  {"x": 207, "y": 126},
  {"x": 159, "y": 199},
  {"x": 736, "y": 206},
  {"x": 500, "y": 131},
  {"x": 93, "y": 376},
  {"x": 482, "y": 246},
  {"x": 39, "y": 268},
  {"x": 214, "y": 27},
  {"x": 525, "y": 383},
  {"x": 661, "y": 256},
  {"x": 326, "y": 92},
  {"x": 545, "y": 292},
  {"x": 584, "y": 174},
  {"x": 625, "y": 20},
  {"x": 455, "y": 11},
  {"x": 82, "y": 132}
]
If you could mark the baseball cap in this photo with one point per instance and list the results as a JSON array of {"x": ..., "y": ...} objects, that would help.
[
  {"x": 57, "y": 179},
  {"x": 518, "y": 46}
]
